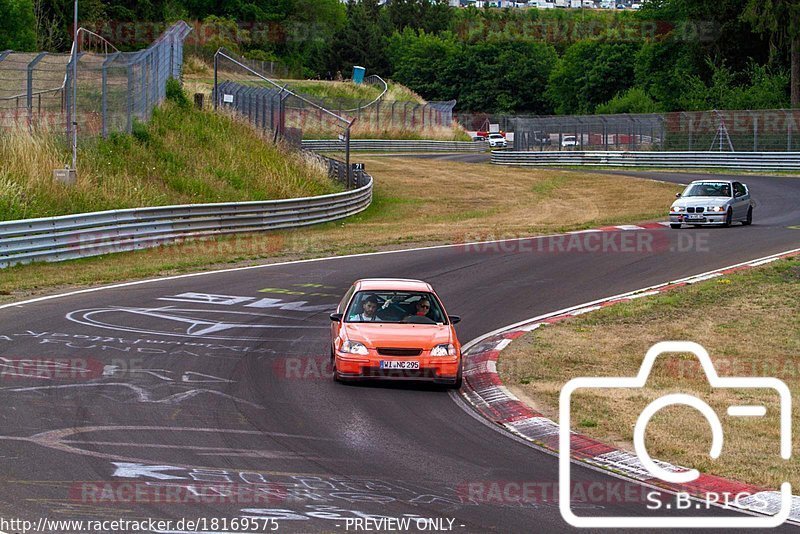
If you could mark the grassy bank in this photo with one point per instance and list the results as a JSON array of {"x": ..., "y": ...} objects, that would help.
[
  {"x": 393, "y": 118},
  {"x": 182, "y": 156},
  {"x": 435, "y": 203},
  {"x": 750, "y": 324}
]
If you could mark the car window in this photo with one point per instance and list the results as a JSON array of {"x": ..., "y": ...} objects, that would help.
[
  {"x": 394, "y": 307},
  {"x": 345, "y": 299},
  {"x": 708, "y": 189},
  {"x": 739, "y": 189}
]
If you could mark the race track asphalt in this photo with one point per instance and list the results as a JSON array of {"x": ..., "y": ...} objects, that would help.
[{"x": 157, "y": 387}]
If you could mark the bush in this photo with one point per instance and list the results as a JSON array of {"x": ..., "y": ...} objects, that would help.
[
  {"x": 176, "y": 94},
  {"x": 140, "y": 132},
  {"x": 634, "y": 100}
]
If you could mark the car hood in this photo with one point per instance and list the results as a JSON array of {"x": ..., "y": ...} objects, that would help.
[
  {"x": 701, "y": 201},
  {"x": 424, "y": 336}
]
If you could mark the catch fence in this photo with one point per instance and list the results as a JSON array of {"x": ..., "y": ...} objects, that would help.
[
  {"x": 113, "y": 88},
  {"x": 719, "y": 131}
]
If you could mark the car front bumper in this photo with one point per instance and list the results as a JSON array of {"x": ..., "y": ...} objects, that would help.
[
  {"x": 443, "y": 370},
  {"x": 709, "y": 219}
]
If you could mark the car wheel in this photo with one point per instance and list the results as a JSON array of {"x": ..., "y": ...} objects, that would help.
[
  {"x": 728, "y": 218},
  {"x": 675, "y": 226},
  {"x": 749, "y": 220}
]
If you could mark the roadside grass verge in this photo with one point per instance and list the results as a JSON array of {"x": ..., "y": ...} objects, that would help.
[
  {"x": 417, "y": 201},
  {"x": 750, "y": 324},
  {"x": 183, "y": 156},
  {"x": 338, "y": 95}
]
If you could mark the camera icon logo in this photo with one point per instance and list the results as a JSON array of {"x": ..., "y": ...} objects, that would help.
[{"x": 679, "y": 477}]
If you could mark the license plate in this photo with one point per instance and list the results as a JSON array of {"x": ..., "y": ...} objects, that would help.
[
  {"x": 695, "y": 217},
  {"x": 399, "y": 364}
]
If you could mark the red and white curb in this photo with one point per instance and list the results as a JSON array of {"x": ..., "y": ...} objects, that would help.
[
  {"x": 484, "y": 390},
  {"x": 624, "y": 227}
]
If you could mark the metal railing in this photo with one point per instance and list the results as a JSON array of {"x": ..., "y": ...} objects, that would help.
[
  {"x": 756, "y": 161},
  {"x": 93, "y": 234},
  {"x": 395, "y": 145}
]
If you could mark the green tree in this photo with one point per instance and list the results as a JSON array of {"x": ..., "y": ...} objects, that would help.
[
  {"x": 363, "y": 39},
  {"x": 780, "y": 19},
  {"x": 589, "y": 73},
  {"x": 634, "y": 100},
  {"x": 17, "y": 25}
]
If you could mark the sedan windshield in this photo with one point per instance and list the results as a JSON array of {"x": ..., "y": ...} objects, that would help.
[
  {"x": 395, "y": 307},
  {"x": 708, "y": 189}
]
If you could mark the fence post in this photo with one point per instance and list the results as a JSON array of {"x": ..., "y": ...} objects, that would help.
[
  {"x": 788, "y": 131},
  {"x": 392, "y": 115},
  {"x": 68, "y": 98},
  {"x": 755, "y": 133},
  {"x": 348, "y": 169},
  {"x": 31, "y": 65},
  {"x": 378, "y": 116},
  {"x": 691, "y": 131},
  {"x": 104, "y": 94},
  {"x": 214, "y": 95}
]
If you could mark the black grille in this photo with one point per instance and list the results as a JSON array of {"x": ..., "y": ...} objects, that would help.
[
  {"x": 398, "y": 352},
  {"x": 700, "y": 210},
  {"x": 689, "y": 210},
  {"x": 376, "y": 372}
]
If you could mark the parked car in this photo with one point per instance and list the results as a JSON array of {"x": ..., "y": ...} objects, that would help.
[
  {"x": 497, "y": 140},
  {"x": 394, "y": 329},
  {"x": 707, "y": 202},
  {"x": 570, "y": 141}
]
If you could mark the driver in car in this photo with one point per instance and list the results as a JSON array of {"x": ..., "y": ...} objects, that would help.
[{"x": 369, "y": 310}]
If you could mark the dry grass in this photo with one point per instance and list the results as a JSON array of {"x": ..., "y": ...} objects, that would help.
[
  {"x": 373, "y": 122},
  {"x": 182, "y": 156},
  {"x": 459, "y": 202},
  {"x": 754, "y": 330}
]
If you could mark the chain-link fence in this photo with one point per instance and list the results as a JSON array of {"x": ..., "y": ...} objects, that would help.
[
  {"x": 727, "y": 131},
  {"x": 113, "y": 88}
]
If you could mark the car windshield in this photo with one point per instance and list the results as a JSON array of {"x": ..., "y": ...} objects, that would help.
[
  {"x": 395, "y": 307},
  {"x": 708, "y": 189}
]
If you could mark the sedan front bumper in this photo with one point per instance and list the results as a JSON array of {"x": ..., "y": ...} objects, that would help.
[{"x": 708, "y": 219}]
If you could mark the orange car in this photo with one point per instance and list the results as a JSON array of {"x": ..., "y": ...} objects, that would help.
[{"x": 394, "y": 329}]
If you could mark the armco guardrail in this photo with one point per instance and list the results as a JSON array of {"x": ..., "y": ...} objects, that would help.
[
  {"x": 394, "y": 145},
  {"x": 755, "y": 161},
  {"x": 93, "y": 234}
]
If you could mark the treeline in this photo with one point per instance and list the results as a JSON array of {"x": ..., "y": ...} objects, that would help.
[{"x": 670, "y": 55}]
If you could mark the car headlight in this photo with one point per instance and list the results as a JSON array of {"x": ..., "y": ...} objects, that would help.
[
  {"x": 445, "y": 349},
  {"x": 677, "y": 208},
  {"x": 354, "y": 347},
  {"x": 717, "y": 209}
]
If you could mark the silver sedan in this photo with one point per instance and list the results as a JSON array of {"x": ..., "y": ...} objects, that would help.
[{"x": 707, "y": 202}]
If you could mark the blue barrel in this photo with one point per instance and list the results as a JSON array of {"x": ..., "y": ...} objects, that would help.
[{"x": 358, "y": 74}]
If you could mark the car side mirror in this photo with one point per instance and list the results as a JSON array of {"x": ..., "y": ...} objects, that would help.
[
  {"x": 678, "y": 195},
  {"x": 455, "y": 319},
  {"x": 337, "y": 317}
]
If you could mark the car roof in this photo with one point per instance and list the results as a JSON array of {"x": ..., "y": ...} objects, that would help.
[
  {"x": 713, "y": 181},
  {"x": 398, "y": 284}
]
